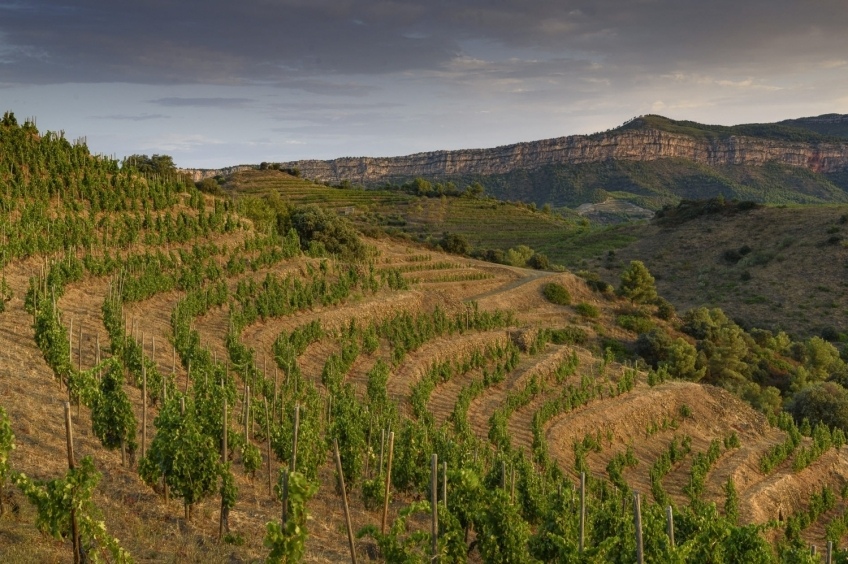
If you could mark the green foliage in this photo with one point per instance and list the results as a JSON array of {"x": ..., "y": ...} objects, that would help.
[
  {"x": 823, "y": 402},
  {"x": 401, "y": 544},
  {"x": 288, "y": 542},
  {"x": 503, "y": 535},
  {"x": 637, "y": 284},
  {"x": 455, "y": 243},
  {"x": 56, "y": 499},
  {"x": 587, "y": 310},
  {"x": 7, "y": 445},
  {"x": 731, "y": 501},
  {"x": 315, "y": 225},
  {"x": 112, "y": 417},
  {"x": 182, "y": 453},
  {"x": 556, "y": 294}
]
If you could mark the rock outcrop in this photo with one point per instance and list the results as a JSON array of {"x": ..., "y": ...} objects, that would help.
[{"x": 622, "y": 144}]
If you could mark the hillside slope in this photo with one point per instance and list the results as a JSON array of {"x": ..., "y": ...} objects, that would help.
[
  {"x": 650, "y": 160},
  {"x": 777, "y": 268}
]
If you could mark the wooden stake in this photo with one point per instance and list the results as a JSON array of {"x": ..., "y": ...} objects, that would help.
[
  {"x": 388, "y": 483},
  {"x": 246, "y": 415},
  {"x": 434, "y": 508},
  {"x": 344, "y": 499},
  {"x": 268, "y": 436},
  {"x": 224, "y": 523},
  {"x": 637, "y": 517},
  {"x": 829, "y": 555},
  {"x": 512, "y": 487},
  {"x": 69, "y": 436},
  {"x": 669, "y": 516},
  {"x": 582, "y": 509},
  {"x": 445, "y": 483},
  {"x": 382, "y": 446},
  {"x": 294, "y": 437},
  {"x": 143, "y": 410}
]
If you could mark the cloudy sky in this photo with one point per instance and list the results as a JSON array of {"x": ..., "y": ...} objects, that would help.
[{"x": 223, "y": 82}]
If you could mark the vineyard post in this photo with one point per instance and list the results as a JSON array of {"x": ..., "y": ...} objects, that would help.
[
  {"x": 812, "y": 550},
  {"x": 79, "y": 367},
  {"x": 70, "y": 356},
  {"x": 388, "y": 482},
  {"x": 344, "y": 499},
  {"x": 368, "y": 447},
  {"x": 445, "y": 484},
  {"x": 143, "y": 410},
  {"x": 99, "y": 372},
  {"x": 512, "y": 487},
  {"x": 829, "y": 559},
  {"x": 247, "y": 415},
  {"x": 382, "y": 445},
  {"x": 582, "y": 508},
  {"x": 69, "y": 436},
  {"x": 276, "y": 389},
  {"x": 268, "y": 436},
  {"x": 223, "y": 523},
  {"x": 294, "y": 437},
  {"x": 669, "y": 516},
  {"x": 434, "y": 507},
  {"x": 637, "y": 516},
  {"x": 503, "y": 475}
]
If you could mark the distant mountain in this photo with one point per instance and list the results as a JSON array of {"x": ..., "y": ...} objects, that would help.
[{"x": 650, "y": 161}]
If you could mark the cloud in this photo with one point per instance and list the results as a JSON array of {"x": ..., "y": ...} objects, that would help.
[
  {"x": 180, "y": 143},
  {"x": 290, "y": 43},
  {"x": 128, "y": 117},
  {"x": 217, "y": 103}
]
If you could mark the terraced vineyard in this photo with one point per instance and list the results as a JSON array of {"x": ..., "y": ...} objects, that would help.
[{"x": 212, "y": 328}]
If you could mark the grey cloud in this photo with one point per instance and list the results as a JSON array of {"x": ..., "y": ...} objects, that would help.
[
  {"x": 129, "y": 117},
  {"x": 217, "y": 103},
  {"x": 290, "y": 42}
]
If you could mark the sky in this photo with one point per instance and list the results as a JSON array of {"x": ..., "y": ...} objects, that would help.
[{"x": 219, "y": 83}]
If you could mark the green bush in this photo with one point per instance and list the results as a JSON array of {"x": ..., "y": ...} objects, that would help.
[
  {"x": 635, "y": 323},
  {"x": 557, "y": 294},
  {"x": 587, "y": 310},
  {"x": 569, "y": 336},
  {"x": 323, "y": 231}
]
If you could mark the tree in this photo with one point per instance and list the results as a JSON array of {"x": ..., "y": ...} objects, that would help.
[
  {"x": 637, "y": 284},
  {"x": 825, "y": 402},
  {"x": 325, "y": 228},
  {"x": 474, "y": 190},
  {"x": 456, "y": 244}
]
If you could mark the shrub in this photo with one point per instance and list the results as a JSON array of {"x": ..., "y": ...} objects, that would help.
[
  {"x": 587, "y": 310},
  {"x": 319, "y": 228},
  {"x": 825, "y": 402},
  {"x": 569, "y": 336},
  {"x": 539, "y": 262},
  {"x": 665, "y": 310},
  {"x": 557, "y": 294},
  {"x": 456, "y": 244},
  {"x": 635, "y": 323},
  {"x": 637, "y": 284}
]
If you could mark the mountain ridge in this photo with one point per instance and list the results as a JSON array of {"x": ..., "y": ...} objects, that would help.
[{"x": 812, "y": 154}]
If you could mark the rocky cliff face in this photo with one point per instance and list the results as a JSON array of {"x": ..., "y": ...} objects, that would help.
[{"x": 633, "y": 145}]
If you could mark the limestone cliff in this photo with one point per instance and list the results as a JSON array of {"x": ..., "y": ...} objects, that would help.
[{"x": 622, "y": 144}]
